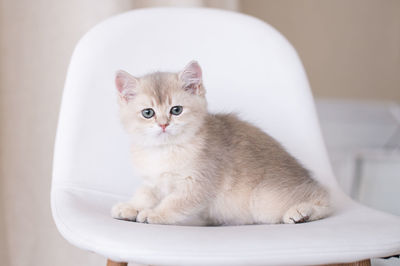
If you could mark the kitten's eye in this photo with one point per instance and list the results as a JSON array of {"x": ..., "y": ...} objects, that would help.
[
  {"x": 176, "y": 110},
  {"x": 148, "y": 113}
]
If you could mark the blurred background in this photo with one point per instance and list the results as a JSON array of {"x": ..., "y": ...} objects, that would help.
[{"x": 350, "y": 50}]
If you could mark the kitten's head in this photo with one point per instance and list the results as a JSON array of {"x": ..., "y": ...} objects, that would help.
[{"x": 162, "y": 108}]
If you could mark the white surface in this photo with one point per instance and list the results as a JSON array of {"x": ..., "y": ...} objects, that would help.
[
  {"x": 350, "y": 128},
  {"x": 380, "y": 183},
  {"x": 249, "y": 68},
  {"x": 365, "y": 132}
]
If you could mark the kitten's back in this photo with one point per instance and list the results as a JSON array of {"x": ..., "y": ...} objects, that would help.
[{"x": 246, "y": 144}]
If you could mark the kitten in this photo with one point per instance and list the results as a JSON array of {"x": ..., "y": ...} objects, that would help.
[{"x": 206, "y": 169}]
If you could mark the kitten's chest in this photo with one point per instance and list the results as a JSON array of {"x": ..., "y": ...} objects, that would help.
[{"x": 158, "y": 162}]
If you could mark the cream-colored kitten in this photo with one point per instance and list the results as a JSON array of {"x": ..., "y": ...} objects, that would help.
[{"x": 205, "y": 169}]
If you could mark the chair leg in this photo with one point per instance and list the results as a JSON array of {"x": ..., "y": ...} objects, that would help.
[
  {"x": 113, "y": 263},
  {"x": 358, "y": 263}
]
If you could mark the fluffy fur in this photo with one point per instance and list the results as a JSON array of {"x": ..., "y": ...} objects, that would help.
[{"x": 207, "y": 169}]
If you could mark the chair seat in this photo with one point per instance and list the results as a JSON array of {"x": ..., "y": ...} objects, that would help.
[{"x": 352, "y": 233}]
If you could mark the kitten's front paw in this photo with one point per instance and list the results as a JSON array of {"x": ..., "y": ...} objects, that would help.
[
  {"x": 149, "y": 216},
  {"x": 124, "y": 211}
]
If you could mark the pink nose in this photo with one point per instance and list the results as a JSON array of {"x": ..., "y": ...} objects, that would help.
[{"x": 163, "y": 127}]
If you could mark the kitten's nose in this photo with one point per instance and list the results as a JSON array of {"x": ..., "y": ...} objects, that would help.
[{"x": 163, "y": 126}]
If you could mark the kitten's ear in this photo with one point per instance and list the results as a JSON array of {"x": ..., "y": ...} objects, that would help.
[
  {"x": 191, "y": 78},
  {"x": 126, "y": 85}
]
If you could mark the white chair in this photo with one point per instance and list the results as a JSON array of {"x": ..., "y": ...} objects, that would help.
[{"x": 248, "y": 67}]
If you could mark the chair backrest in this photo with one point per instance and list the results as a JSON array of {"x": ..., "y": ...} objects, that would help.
[{"x": 248, "y": 67}]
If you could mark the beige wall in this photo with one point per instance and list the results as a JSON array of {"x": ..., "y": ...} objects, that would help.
[
  {"x": 37, "y": 39},
  {"x": 350, "y": 49}
]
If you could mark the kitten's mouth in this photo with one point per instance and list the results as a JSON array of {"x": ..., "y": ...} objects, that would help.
[{"x": 163, "y": 133}]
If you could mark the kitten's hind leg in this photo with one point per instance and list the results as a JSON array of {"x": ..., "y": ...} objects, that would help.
[{"x": 305, "y": 212}]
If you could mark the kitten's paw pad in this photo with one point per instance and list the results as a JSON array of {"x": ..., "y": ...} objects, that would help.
[
  {"x": 150, "y": 217},
  {"x": 124, "y": 211},
  {"x": 297, "y": 214}
]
